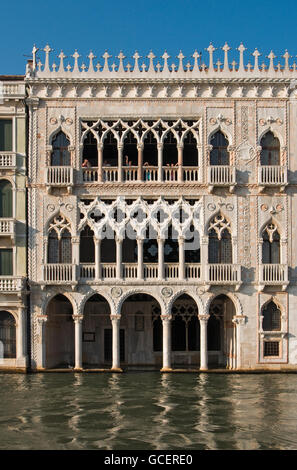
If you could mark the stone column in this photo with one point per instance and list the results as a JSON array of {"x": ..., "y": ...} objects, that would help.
[
  {"x": 97, "y": 242},
  {"x": 75, "y": 256},
  {"x": 115, "y": 321},
  {"x": 160, "y": 259},
  {"x": 119, "y": 244},
  {"x": 120, "y": 163},
  {"x": 41, "y": 348},
  {"x": 140, "y": 258},
  {"x": 140, "y": 162},
  {"x": 180, "y": 163},
  {"x": 160, "y": 161},
  {"x": 203, "y": 341},
  {"x": 204, "y": 257},
  {"x": 239, "y": 321},
  {"x": 78, "y": 341},
  {"x": 100, "y": 163},
  {"x": 22, "y": 338},
  {"x": 181, "y": 249},
  {"x": 166, "y": 321}
]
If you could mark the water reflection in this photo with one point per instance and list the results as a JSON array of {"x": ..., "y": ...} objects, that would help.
[{"x": 148, "y": 411}]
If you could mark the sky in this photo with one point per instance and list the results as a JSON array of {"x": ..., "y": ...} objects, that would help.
[{"x": 144, "y": 25}]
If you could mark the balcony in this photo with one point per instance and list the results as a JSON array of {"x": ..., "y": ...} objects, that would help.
[
  {"x": 56, "y": 274},
  {"x": 110, "y": 174},
  {"x": 223, "y": 274},
  {"x": 221, "y": 176},
  {"x": 273, "y": 275},
  {"x": 7, "y": 227},
  {"x": 59, "y": 176},
  {"x": 273, "y": 175},
  {"x": 7, "y": 160},
  {"x": 12, "y": 284}
]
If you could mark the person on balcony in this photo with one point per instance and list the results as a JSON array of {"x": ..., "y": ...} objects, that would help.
[
  {"x": 86, "y": 163},
  {"x": 147, "y": 173}
]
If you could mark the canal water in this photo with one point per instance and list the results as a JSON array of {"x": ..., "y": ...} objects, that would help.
[{"x": 148, "y": 411}]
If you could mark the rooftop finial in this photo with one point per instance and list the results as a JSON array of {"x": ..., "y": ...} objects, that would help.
[
  {"x": 151, "y": 56},
  {"x": 34, "y": 50},
  {"x": 241, "y": 50},
  {"x": 47, "y": 50},
  {"x": 165, "y": 57},
  {"x": 256, "y": 54},
  {"x": 136, "y": 57},
  {"x": 271, "y": 56},
  {"x": 211, "y": 50},
  {"x": 226, "y": 48},
  {"x": 91, "y": 56},
  {"x": 106, "y": 56}
]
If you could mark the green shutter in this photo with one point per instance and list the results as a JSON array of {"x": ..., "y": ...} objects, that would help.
[
  {"x": 5, "y": 199},
  {"x": 6, "y": 262},
  {"x": 5, "y": 135}
]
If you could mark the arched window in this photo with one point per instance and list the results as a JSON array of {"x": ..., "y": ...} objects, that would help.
[
  {"x": 59, "y": 247},
  {"x": 90, "y": 152},
  {"x": 129, "y": 247},
  {"x": 271, "y": 317},
  {"x": 219, "y": 154},
  {"x": 5, "y": 199},
  {"x": 169, "y": 149},
  {"x": 190, "y": 152},
  {"x": 192, "y": 245},
  {"x": 110, "y": 150},
  {"x": 150, "y": 150},
  {"x": 219, "y": 241},
  {"x": 150, "y": 246},
  {"x": 7, "y": 336},
  {"x": 171, "y": 247},
  {"x": 271, "y": 245},
  {"x": 60, "y": 154},
  {"x": 270, "y": 153},
  {"x": 87, "y": 246},
  {"x": 108, "y": 245},
  {"x": 185, "y": 326}
]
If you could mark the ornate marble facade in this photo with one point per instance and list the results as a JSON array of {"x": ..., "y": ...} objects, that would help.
[{"x": 104, "y": 314}]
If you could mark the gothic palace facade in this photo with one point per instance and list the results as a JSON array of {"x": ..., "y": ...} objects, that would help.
[{"x": 160, "y": 202}]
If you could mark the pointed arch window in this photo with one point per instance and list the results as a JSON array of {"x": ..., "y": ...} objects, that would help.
[
  {"x": 130, "y": 152},
  {"x": 271, "y": 245},
  {"x": 190, "y": 151},
  {"x": 90, "y": 152},
  {"x": 5, "y": 199},
  {"x": 150, "y": 150},
  {"x": 219, "y": 241},
  {"x": 169, "y": 149},
  {"x": 270, "y": 153},
  {"x": 7, "y": 335},
  {"x": 271, "y": 317},
  {"x": 87, "y": 246},
  {"x": 60, "y": 154},
  {"x": 110, "y": 150},
  {"x": 59, "y": 241},
  {"x": 219, "y": 154}
]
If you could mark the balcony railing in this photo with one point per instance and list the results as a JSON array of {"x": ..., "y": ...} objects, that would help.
[
  {"x": 171, "y": 270},
  {"x": 150, "y": 270},
  {"x": 130, "y": 173},
  {"x": 109, "y": 271},
  {"x": 272, "y": 175},
  {"x": 11, "y": 284},
  {"x": 59, "y": 176},
  {"x": 87, "y": 271},
  {"x": 150, "y": 173},
  {"x": 274, "y": 274},
  {"x": 193, "y": 271},
  {"x": 7, "y": 227},
  {"x": 59, "y": 273},
  {"x": 170, "y": 173},
  {"x": 7, "y": 160},
  {"x": 223, "y": 274},
  {"x": 221, "y": 175},
  {"x": 191, "y": 173}
]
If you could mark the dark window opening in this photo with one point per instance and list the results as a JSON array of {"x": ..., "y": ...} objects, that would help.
[
  {"x": 178, "y": 333},
  {"x": 129, "y": 250},
  {"x": 194, "y": 334},
  {"x": 90, "y": 151},
  {"x": 219, "y": 154},
  {"x": 108, "y": 345},
  {"x": 192, "y": 246},
  {"x": 157, "y": 334},
  {"x": 87, "y": 246},
  {"x": 150, "y": 150},
  {"x": 150, "y": 246},
  {"x": 130, "y": 152},
  {"x": 220, "y": 251},
  {"x": 59, "y": 250},
  {"x": 271, "y": 248},
  {"x": 60, "y": 154},
  {"x": 5, "y": 199},
  {"x": 271, "y": 348},
  {"x": 6, "y": 264},
  {"x": 171, "y": 247},
  {"x": 110, "y": 150},
  {"x": 190, "y": 151},
  {"x": 6, "y": 135},
  {"x": 7, "y": 336},
  {"x": 214, "y": 333},
  {"x": 271, "y": 317},
  {"x": 270, "y": 153},
  {"x": 169, "y": 150},
  {"x": 108, "y": 247}
]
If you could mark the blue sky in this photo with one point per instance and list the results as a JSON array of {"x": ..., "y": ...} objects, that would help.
[{"x": 144, "y": 25}]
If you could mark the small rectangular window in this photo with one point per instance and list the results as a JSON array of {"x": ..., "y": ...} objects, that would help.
[
  {"x": 271, "y": 348},
  {"x": 5, "y": 135},
  {"x": 6, "y": 262}
]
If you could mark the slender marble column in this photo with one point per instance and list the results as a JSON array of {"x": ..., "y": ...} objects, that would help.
[
  {"x": 140, "y": 258},
  {"x": 97, "y": 242},
  {"x": 100, "y": 162},
  {"x": 140, "y": 162},
  {"x": 180, "y": 163},
  {"x": 203, "y": 341},
  {"x": 166, "y": 321},
  {"x": 239, "y": 321},
  {"x": 115, "y": 321},
  {"x": 160, "y": 162},
  {"x": 181, "y": 249},
  {"x": 120, "y": 163},
  {"x": 78, "y": 341},
  {"x": 119, "y": 244},
  {"x": 160, "y": 258},
  {"x": 41, "y": 361}
]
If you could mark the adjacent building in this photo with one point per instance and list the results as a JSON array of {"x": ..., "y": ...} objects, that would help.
[{"x": 161, "y": 202}]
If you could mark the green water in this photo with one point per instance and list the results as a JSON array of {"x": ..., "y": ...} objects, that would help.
[{"x": 139, "y": 411}]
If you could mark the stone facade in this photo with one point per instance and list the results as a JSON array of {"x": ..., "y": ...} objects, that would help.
[
  {"x": 250, "y": 293},
  {"x": 13, "y": 294}
]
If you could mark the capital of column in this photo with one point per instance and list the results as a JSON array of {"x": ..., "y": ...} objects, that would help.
[
  {"x": 140, "y": 146},
  {"x": 180, "y": 146},
  {"x": 239, "y": 320},
  {"x": 159, "y": 145},
  {"x": 203, "y": 318},
  {"x": 42, "y": 319},
  {"x": 115, "y": 318},
  {"x": 100, "y": 146},
  {"x": 78, "y": 318},
  {"x": 166, "y": 318},
  {"x": 75, "y": 240}
]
